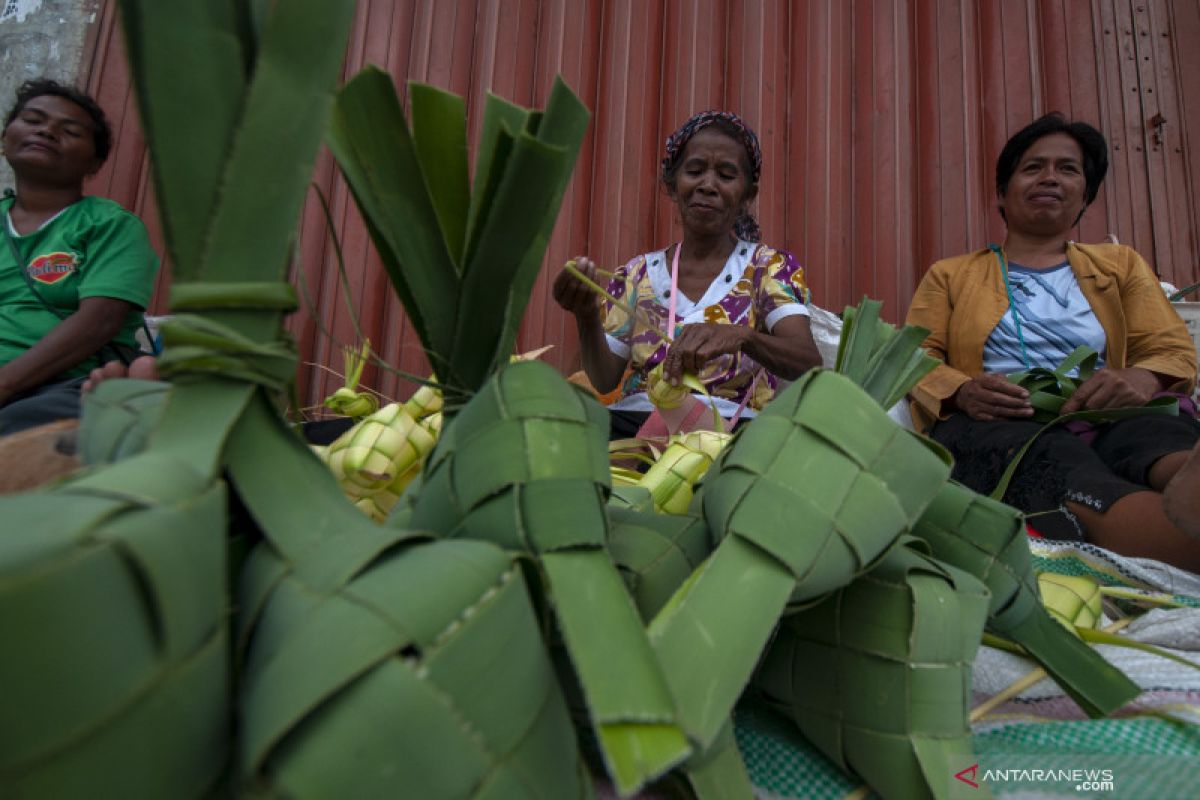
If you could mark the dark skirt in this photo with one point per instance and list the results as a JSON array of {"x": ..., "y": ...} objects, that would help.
[
  {"x": 46, "y": 403},
  {"x": 1061, "y": 465}
]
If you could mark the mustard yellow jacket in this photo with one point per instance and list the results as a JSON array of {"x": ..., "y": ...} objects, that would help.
[{"x": 961, "y": 299}]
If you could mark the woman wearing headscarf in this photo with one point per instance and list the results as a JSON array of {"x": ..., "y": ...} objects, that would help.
[
  {"x": 1029, "y": 303},
  {"x": 738, "y": 306}
]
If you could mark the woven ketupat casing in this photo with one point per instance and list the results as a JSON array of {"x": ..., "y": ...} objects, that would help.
[
  {"x": 805, "y": 498},
  {"x": 987, "y": 538},
  {"x": 1073, "y": 600},
  {"x": 525, "y": 465},
  {"x": 117, "y": 418},
  {"x": 656, "y": 553},
  {"x": 878, "y": 675},
  {"x": 116, "y": 660},
  {"x": 427, "y": 677},
  {"x": 823, "y": 480}
]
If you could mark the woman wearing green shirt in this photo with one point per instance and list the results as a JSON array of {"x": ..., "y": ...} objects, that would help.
[{"x": 75, "y": 271}]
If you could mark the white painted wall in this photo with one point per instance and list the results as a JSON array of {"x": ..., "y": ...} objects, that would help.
[{"x": 40, "y": 37}]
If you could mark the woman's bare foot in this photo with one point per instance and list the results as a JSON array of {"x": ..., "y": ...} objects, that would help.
[
  {"x": 143, "y": 367},
  {"x": 1181, "y": 497}
]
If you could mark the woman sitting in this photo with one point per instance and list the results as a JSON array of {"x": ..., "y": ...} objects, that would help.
[
  {"x": 1031, "y": 303},
  {"x": 75, "y": 271},
  {"x": 734, "y": 309}
]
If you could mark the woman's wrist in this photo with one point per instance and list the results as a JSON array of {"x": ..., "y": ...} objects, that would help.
[{"x": 589, "y": 325}]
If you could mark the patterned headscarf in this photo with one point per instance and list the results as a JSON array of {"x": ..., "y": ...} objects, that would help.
[{"x": 745, "y": 227}]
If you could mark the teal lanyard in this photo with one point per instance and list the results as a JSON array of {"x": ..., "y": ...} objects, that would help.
[{"x": 1012, "y": 305}]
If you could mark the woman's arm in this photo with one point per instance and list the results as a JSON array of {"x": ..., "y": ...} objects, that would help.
[
  {"x": 784, "y": 345},
  {"x": 604, "y": 368},
  {"x": 72, "y": 341},
  {"x": 930, "y": 309},
  {"x": 1157, "y": 339},
  {"x": 788, "y": 351},
  {"x": 946, "y": 389},
  {"x": 1160, "y": 355}
]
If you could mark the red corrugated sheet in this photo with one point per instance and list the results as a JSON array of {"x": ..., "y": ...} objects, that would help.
[{"x": 880, "y": 122}]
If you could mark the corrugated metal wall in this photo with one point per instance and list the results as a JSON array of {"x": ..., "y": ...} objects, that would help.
[{"x": 880, "y": 122}]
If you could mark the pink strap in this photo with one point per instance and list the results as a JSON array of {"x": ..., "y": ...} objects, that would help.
[
  {"x": 674, "y": 292},
  {"x": 745, "y": 401}
]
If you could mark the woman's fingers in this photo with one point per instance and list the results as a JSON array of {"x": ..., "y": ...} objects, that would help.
[
  {"x": 574, "y": 295},
  {"x": 1113, "y": 388},
  {"x": 991, "y": 397},
  {"x": 697, "y": 345},
  {"x": 1000, "y": 385}
]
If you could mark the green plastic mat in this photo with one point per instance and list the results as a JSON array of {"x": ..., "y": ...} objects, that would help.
[{"x": 1148, "y": 757}]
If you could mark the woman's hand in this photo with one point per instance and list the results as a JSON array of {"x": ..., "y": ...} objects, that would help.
[
  {"x": 574, "y": 295},
  {"x": 700, "y": 343},
  {"x": 991, "y": 397},
  {"x": 1114, "y": 388},
  {"x": 603, "y": 367}
]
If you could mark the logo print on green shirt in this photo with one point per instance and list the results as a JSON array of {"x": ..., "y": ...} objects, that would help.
[{"x": 52, "y": 267}]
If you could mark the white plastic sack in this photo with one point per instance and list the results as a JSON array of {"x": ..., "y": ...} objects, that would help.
[{"x": 827, "y": 331}]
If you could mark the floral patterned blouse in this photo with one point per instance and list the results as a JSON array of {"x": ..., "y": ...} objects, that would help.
[{"x": 758, "y": 287}]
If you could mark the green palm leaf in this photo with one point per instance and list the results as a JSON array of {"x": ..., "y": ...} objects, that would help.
[
  {"x": 440, "y": 139},
  {"x": 655, "y": 553},
  {"x": 187, "y": 57},
  {"x": 369, "y": 138},
  {"x": 987, "y": 539},
  {"x": 463, "y": 263}
]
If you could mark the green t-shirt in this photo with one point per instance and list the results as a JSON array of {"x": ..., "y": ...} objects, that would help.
[{"x": 93, "y": 248}]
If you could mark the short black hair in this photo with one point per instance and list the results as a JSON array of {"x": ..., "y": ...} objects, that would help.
[
  {"x": 40, "y": 87},
  {"x": 1091, "y": 143}
]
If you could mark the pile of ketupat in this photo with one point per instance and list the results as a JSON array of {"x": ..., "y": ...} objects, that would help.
[{"x": 433, "y": 655}]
